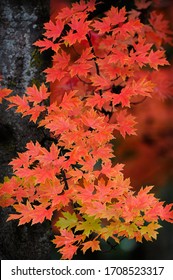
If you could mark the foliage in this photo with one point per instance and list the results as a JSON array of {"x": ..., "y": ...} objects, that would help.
[{"x": 100, "y": 67}]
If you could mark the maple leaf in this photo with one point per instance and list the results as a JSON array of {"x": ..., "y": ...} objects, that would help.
[
  {"x": 65, "y": 14},
  {"x": 40, "y": 213},
  {"x": 21, "y": 161},
  {"x": 86, "y": 55},
  {"x": 141, "y": 52},
  {"x": 54, "y": 30},
  {"x": 96, "y": 99},
  {"x": 81, "y": 69},
  {"x": 66, "y": 238},
  {"x": 102, "y": 25},
  {"x": 100, "y": 82},
  {"x": 54, "y": 73},
  {"x": 24, "y": 172},
  {"x": 68, "y": 251},
  {"x": 92, "y": 119},
  {"x": 152, "y": 213},
  {"x": 85, "y": 194},
  {"x": 142, "y": 87},
  {"x": 78, "y": 31},
  {"x": 34, "y": 112},
  {"x": 142, "y": 4},
  {"x": 109, "y": 231},
  {"x": 59, "y": 125},
  {"x": 91, "y": 224},
  {"x": 9, "y": 186},
  {"x": 103, "y": 153},
  {"x": 157, "y": 58},
  {"x": 113, "y": 18},
  {"x": 37, "y": 96},
  {"x": 124, "y": 96},
  {"x": 62, "y": 200},
  {"x": 77, "y": 7},
  {"x": 111, "y": 171},
  {"x": 144, "y": 198},
  {"x": 41, "y": 174},
  {"x": 116, "y": 16},
  {"x": 20, "y": 102},
  {"x": 118, "y": 55},
  {"x": 161, "y": 26},
  {"x": 62, "y": 59},
  {"x": 166, "y": 213},
  {"x": 25, "y": 213},
  {"x": 69, "y": 221},
  {"x": 141, "y": 46},
  {"x": 70, "y": 100},
  {"x": 129, "y": 229},
  {"x": 46, "y": 44},
  {"x": 48, "y": 157},
  {"x": 4, "y": 92},
  {"x": 129, "y": 28},
  {"x": 126, "y": 123},
  {"x": 34, "y": 149},
  {"x": 70, "y": 38},
  {"x": 93, "y": 244},
  {"x": 74, "y": 156},
  {"x": 150, "y": 231},
  {"x": 83, "y": 64}
]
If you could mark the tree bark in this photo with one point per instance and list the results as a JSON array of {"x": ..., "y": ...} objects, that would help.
[{"x": 20, "y": 66}]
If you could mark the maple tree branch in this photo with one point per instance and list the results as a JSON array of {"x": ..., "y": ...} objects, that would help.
[
  {"x": 75, "y": 51},
  {"x": 112, "y": 247},
  {"x": 93, "y": 52},
  {"x": 87, "y": 83},
  {"x": 64, "y": 179},
  {"x": 139, "y": 102},
  {"x": 95, "y": 58},
  {"x": 63, "y": 174}
]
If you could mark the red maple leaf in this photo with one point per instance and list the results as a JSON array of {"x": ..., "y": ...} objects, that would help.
[
  {"x": 37, "y": 95},
  {"x": 4, "y": 92},
  {"x": 54, "y": 73},
  {"x": 45, "y": 44},
  {"x": 54, "y": 30},
  {"x": 125, "y": 123},
  {"x": 157, "y": 58}
]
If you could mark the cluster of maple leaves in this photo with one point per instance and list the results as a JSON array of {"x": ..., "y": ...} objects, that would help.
[{"x": 100, "y": 67}]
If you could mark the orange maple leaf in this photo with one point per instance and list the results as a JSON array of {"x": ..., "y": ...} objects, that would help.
[
  {"x": 93, "y": 244},
  {"x": 37, "y": 96},
  {"x": 4, "y": 92}
]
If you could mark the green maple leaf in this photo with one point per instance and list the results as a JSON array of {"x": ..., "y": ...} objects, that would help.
[
  {"x": 69, "y": 221},
  {"x": 150, "y": 230},
  {"x": 91, "y": 224}
]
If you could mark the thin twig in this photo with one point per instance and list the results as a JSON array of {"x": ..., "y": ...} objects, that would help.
[
  {"x": 139, "y": 102},
  {"x": 87, "y": 83},
  {"x": 95, "y": 58}
]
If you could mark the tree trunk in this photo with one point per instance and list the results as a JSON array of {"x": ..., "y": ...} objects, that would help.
[{"x": 20, "y": 66}]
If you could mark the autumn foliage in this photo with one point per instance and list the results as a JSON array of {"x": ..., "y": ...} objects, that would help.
[{"x": 101, "y": 66}]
